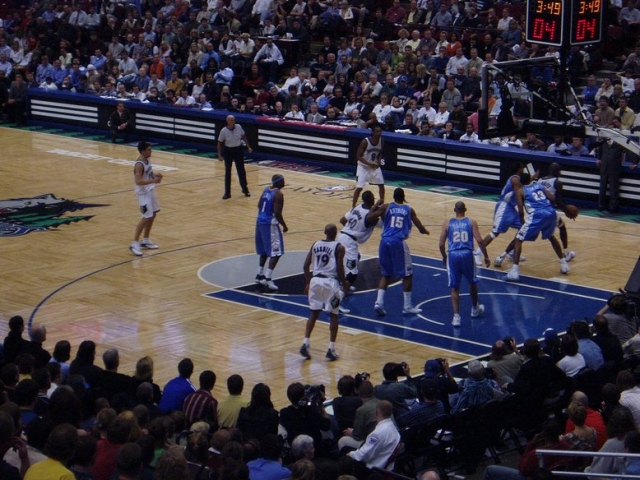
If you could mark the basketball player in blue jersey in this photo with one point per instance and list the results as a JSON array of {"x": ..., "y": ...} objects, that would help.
[
  {"x": 145, "y": 182},
  {"x": 369, "y": 160},
  {"x": 394, "y": 254},
  {"x": 507, "y": 213},
  {"x": 554, "y": 186},
  {"x": 269, "y": 242},
  {"x": 326, "y": 286},
  {"x": 541, "y": 218},
  {"x": 460, "y": 233}
]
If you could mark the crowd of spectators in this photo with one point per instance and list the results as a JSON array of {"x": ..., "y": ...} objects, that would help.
[
  {"x": 62, "y": 415},
  {"x": 412, "y": 67}
]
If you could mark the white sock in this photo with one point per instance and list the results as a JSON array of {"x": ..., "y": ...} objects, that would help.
[
  {"x": 515, "y": 268},
  {"x": 332, "y": 346},
  {"x": 407, "y": 299},
  {"x": 135, "y": 243},
  {"x": 380, "y": 298},
  {"x": 563, "y": 261},
  {"x": 268, "y": 273},
  {"x": 260, "y": 270},
  {"x": 306, "y": 341},
  {"x": 145, "y": 239}
]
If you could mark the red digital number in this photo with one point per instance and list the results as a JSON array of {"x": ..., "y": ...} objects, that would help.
[
  {"x": 585, "y": 29},
  {"x": 543, "y": 30}
]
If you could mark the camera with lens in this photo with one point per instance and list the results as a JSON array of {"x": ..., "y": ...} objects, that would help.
[
  {"x": 400, "y": 368},
  {"x": 623, "y": 304},
  {"x": 313, "y": 396}
]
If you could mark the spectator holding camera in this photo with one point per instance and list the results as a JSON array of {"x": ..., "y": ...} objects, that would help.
[
  {"x": 398, "y": 393},
  {"x": 438, "y": 370},
  {"x": 621, "y": 324},
  {"x": 306, "y": 414}
]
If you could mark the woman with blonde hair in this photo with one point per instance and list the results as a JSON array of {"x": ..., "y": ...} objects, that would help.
[
  {"x": 403, "y": 38},
  {"x": 165, "y": 50},
  {"x": 303, "y": 470},
  {"x": 144, "y": 373},
  {"x": 582, "y": 437}
]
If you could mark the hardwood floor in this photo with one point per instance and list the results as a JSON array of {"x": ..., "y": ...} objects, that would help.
[{"x": 81, "y": 281}]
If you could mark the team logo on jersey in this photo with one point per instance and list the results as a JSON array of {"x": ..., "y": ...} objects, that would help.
[
  {"x": 335, "y": 188},
  {"x": 19, "y": 216}
]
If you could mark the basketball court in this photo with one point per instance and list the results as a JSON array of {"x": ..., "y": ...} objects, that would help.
[{"x": 67, "y": 217}]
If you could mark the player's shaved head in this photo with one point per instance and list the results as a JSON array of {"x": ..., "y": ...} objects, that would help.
[
  {"x": 331, "y": 231},
  {"x": 460, "y": 207},
  {"x": 555, "y": 169},
  {"x": 367, "y": 198}
]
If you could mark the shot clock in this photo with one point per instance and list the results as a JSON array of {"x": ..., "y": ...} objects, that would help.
[
  {"x": 550, "y": 21},
  {"x": 586, "y": 22},
  {"x": 545, "y": 22}
]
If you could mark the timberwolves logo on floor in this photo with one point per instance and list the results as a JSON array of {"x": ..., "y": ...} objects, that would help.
[{"x": 19, "y": 216}]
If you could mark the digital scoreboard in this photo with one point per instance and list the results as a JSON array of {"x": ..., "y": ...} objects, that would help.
[
  {"x": 545, "y": 22},
  {"x": 550, "y": 21},
  {"x": 586, "y": 22}
]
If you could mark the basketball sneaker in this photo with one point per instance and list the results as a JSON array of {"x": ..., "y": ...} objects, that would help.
[
  {"x": 259, "y": 279},
  {"x": 498, "y": 261},
  {"x": 569, "y": 255},
  {"x": 456, "y": 320},
  {"x": 379, "y": 310},
  {"x": 344, "y": 311},
  {"x": 135, "y": 249},
  {"x": 352, "y": 288},
  {"x": 477, "y": 311},
  {"x": 411, "y": 309},
  {"x": 268, "y": 283},
  {"x": 148, "y": 244},
  {"x": 564, "y": 266},
  {"x": 512, "y": 276},
  {"x": 332, "y": 355},
  {"x": 304, "y": 351},
  {"x": 477, "y": 257}
]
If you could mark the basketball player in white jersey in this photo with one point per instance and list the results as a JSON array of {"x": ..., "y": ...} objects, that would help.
[
  {"x": 324, "y": 273},
  {"x": 145, "y": 182},
  {"x": 369, "y": 160},
  {"x": 358, "y": 227},
  {"x": 553, "y": 183}
]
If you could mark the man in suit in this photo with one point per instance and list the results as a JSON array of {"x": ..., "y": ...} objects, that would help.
[{"x": 120, "y": 122}]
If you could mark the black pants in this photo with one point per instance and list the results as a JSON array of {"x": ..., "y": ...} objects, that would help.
[{"x": 234, "y": 155}]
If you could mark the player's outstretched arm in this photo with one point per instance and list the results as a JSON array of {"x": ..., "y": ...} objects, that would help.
[
  {"x": 373, "y": 215},
  {"x": 416, "y": 221}
]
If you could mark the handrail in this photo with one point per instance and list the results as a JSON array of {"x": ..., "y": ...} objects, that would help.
[{"x": 574, "y": 453}]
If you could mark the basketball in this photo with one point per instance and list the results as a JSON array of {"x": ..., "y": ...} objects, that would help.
[{"x": 572, "y": 211}]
